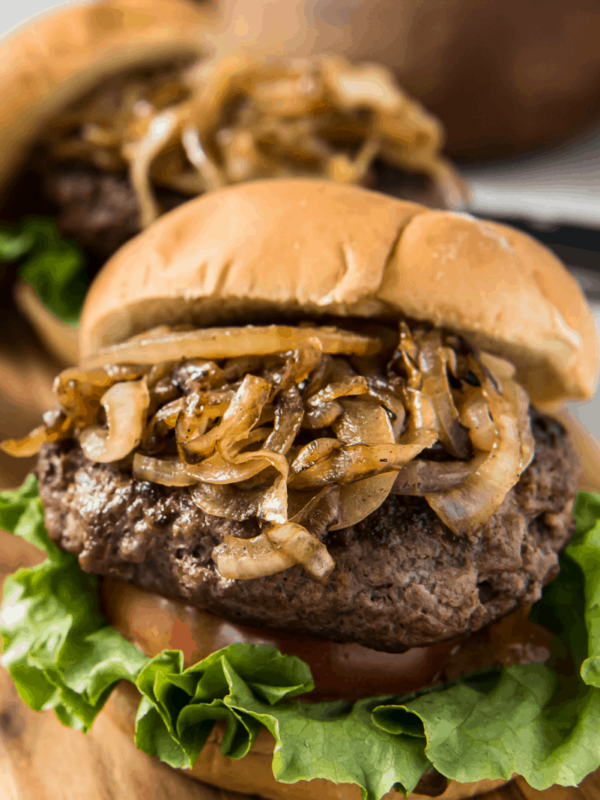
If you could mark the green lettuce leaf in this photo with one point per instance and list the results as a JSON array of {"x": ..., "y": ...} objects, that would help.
[
  {"x": 57, "y": 647},
  {"x": 55, "y": 268},
  {"x": 537, "y": 720},
  {"x": 245, "y": 686}
]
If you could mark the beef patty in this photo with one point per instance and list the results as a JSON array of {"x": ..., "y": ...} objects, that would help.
[
  {"x": 402, "y": 578},
  {"x": 98, "y": 210}
]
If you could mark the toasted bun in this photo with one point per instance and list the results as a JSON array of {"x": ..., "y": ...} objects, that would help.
[
  {"x": 57, "y": 58},
  {"x": 312, "y": 248}
]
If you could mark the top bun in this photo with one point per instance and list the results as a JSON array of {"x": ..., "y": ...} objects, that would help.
[
  {"x": 278, "y": 248},
  {"x": 56, "y": 59}
]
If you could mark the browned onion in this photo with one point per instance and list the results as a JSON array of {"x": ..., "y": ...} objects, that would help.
[
  {"x": 198, "y": 412},
  {"x": 297, "y": 543},
  {"x": 241, "y": 415},
  {"x": 453, "y": 436},
  {"x": 354, "y": 462},
  {"x": 369, "y": 424},
  {"x": 161, "y": 423},
  {"x": 234, "y": 119},
  {"x": 422, "y": 426},
  {"x": 273, "y": 506},
  {"x": 227, "y": 501},
  {"x": 217, "y": 470},
  {"x": 126, "y": 405},
  {"x": 288, "y": 419},
  {"x": 237, "y": 429},
  {"x": 162, "y": 129},
  {"x": 161, "y": 471},
  {"x": 475, "y": 416},
  {"x": 316, "y": 513},
  {"x": 314, "y": 452},
  {"x": 344, "y": 388},
  {"x": 418, "y": 478},
  {"x": 299, "y": 364},
  {"x": 247, "y": 559},
  {"x": 467, "y": 507},
  {"x": 28, "y": 446},
  {"x": 218, "y": 343},
  {"x": 79, "y": 391},
  {"x": 323, "y": 416}
]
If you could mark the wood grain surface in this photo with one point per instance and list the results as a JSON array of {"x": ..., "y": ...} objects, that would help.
[{"x": 39, "y": 758}]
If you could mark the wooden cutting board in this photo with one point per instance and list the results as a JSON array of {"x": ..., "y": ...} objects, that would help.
[{"x": 39, "y": 758}]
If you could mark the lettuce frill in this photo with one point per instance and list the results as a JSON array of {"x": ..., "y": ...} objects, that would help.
[
  {"x": 54, "y": 267},
  {"x": 540, "y": 721}
]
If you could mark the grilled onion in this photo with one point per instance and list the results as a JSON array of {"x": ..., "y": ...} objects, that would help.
[
  {"x": 28, "y": 446},
  {"x": 227, "y": 501},
  {"x": 163, "y": 472},
  {"x": 216, "y": 343},
  {"x": 275, "y": 424},
  {"x": 272, "y": 552},
  {"x": 467, "y": 507},
  {"x": 432, "y": 364},
  {"x": 368, "y": 424},
  {"x": 247, "y": 559},
  {"x": 418, "y": 478},
  {"x": 126, "y": 405}
]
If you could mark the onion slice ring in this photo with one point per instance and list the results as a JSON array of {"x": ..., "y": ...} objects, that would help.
[
  {"x": 126, "y": 406},
  {"x": 220, "y": 343},
  {"x": 161, "y": 471},
  {"x": 27, "y": 446},
  {"x": 369, "y": 424},
  {"x": 248, "y": 559},
  {"x": 467, "y": 507}
]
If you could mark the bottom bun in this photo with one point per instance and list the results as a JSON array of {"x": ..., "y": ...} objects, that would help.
[
  {"x": 59, "y": 339},
  {"x": 254, "y": 772}
]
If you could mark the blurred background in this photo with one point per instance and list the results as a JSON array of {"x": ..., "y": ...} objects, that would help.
[{"x": 516, "y": 86}]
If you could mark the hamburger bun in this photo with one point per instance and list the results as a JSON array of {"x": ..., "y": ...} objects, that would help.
[
  {"x": 47, "y": 65},
  {"x": 285, "y": 248}
]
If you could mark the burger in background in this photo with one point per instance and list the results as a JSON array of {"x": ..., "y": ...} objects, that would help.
[
  {"x": 120, "y": 118},
  {"x": 504, "y": 77},
  {"x": 343, "y": 467}
]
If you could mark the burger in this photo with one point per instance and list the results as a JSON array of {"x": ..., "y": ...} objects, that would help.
[
  {"x": 114, "y": 114},
  {"x": 303, "y": 507}
]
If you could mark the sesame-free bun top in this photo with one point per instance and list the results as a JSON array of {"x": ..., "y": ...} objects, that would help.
[
  {"x": 308, "y": 248},
  {"x": 57, "y": 58}
]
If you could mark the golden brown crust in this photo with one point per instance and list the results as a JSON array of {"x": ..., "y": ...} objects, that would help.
[
  {"x": 314, "y": 248},
  {"x": 57, "y": 58}
]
